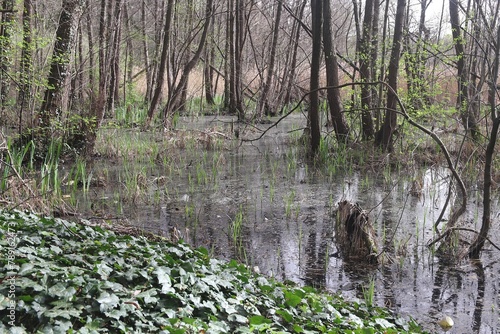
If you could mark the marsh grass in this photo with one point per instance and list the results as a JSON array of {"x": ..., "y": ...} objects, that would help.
[
  {"x": 369, "y": 292},
  {"x": 50, "y": 181},
  {"x": 289, "y": 201},
  {"x": 237, "y": 231},
  {"x": 79, "y": 177}
]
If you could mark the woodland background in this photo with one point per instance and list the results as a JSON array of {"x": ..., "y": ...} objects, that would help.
[{"x": 68, "y": 66}]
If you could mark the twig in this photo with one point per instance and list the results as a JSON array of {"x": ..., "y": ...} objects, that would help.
[{"x": 448, "y": 231}]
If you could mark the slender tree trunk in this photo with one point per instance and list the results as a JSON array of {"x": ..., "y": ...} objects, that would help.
[
  {"x": 176, "y": 102},
  {"x": 385, "y": 136},
  {"x": 468, "y": 120},
  {"x": 231, "y": 58},
  {"x": 477, "y": 245},
  {"x": 90, "y": 37},
  {"x": 115, "y": 30},
  {"x": 55, "y": 98},
  {"x": 5, "y": 53},
  {"x": 208, "y": 71},
  {"x": 264, "y": 98},
  {"x": 375, "y": 100},
  {"x": 293, "y": 64},
  {"x": 332, "y": 77},
  {"x": 238, "y": 58},
  {"x": 26, "y": 66},
  {"x": 160, "y": 77},
  {"x": 365, "y": 63},
  {"x": 316, "y": 13},
  {"x": 147, "y": 61}
]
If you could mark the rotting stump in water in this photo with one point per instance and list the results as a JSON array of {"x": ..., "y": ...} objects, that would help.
[{"x": 354, "y": 233}]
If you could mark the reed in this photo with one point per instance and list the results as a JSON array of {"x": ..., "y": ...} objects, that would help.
[{"x": 369, "y": 292}]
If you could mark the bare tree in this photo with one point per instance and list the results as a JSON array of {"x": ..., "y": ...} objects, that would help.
[
  {"x": 332, "y": 77},
  {"x": 55, "y": 98},
  {"x": 493, "y": 93},
  {"x": 24, "y": 97},
  {"x": 468, "y": 118},
  {"x": 5, "y": 49},
  {"x": 176, "y": 99},
  {"x": 364, "y": 55},
  {"x": 290, "y": 70},
  {"x": 316, "y": 14},
  {"x": 385, "y": 134},
  {"x": 160, "y": 77},
  {"x": 264, "y": 98}
]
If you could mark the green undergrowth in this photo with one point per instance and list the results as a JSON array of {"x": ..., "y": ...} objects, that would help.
[{"x": 63, "y": 277}]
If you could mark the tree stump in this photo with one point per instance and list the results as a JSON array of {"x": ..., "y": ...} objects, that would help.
[{"x": 354, "y": 233}]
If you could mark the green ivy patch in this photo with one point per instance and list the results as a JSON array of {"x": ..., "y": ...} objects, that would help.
[{"x": 62, "y": 277}]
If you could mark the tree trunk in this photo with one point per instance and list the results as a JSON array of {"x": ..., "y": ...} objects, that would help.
[
  {"x": 208, "y": 71},
  {"x": 316, "y": 10},
  {"x": 385, "y": 136},
  {"x": 55, "y": 100},
  {"x": 264, "y": 98},
  {"x": 26, "y": 66},
  {"x": 115, "y": 29},
  {"x": 365, "y": 63},
  {"x": 468, "y": 119},
  {"x": 145, "y": 55},
  {"x": 175, "y": 102},
  {"x": 238, "y": 58},
  {"x": 5, "y": 53},
  {"x": 332, "y": 78},
  {"x": 290, "y": 74},
  {"x": 477, "y": 245},
  {"x": 160, "y": 77}
]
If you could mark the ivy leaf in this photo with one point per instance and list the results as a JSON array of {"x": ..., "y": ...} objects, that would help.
[
  {"x": 285, "y": 315},
  {"x": 56, "y": 249},
  {"x": 259, "y": 320},
  {"x": 107, "y": 301},
  {"x": 26, "y": 268},
  {"x": 117, "y": 313},
  {"x": 60, "y": 290},
  {"x": 65, "y": 313},
  {"x": 383, "y": 323},
  {"x": 163, "y": 275},
  {"x": 293, "y": 298},
  {"x": 103, "y": 269},
  {"x": 237, "y": 318}
]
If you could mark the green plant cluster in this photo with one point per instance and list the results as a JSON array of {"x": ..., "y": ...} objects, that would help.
[{"x": 71, "y": 277}]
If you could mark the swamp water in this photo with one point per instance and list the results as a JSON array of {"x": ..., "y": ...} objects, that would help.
[{"x": 258, "y": 202}]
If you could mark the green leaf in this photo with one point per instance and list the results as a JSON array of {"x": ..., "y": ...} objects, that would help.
[
  {"x": 117, "y": 313},
  {"x": 103, "y": 269},
  {"x": 66, "y": 313},
  {"x": 383, "y": 323},
  {"x": 107, "y": 301},
  {"x": 237, "y": 318},
  {"x": 292, "y": 298},
  {"x": 61, "y": 290},
  {"x": 26, "y": 268},
  {"x": 162, "y": 274},
  {"x": 285, "y": 315},
  {"x": 259, "y": 320},
  {"x": 26, "y": 298}
]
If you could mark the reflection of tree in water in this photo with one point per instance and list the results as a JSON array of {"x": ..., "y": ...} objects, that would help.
[
  {"x": 317, "y": 242},
  {"x": 447, "y": 278},
  {"x": 478, "y": 306},
  {"x": 443, "y": 283}
]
